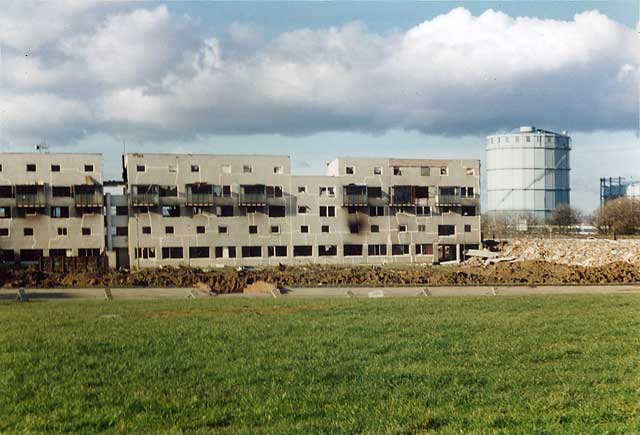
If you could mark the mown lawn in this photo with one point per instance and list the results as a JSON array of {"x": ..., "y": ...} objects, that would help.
[{"x": 535, "y": 364}]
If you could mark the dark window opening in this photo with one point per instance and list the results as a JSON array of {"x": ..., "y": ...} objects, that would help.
[
  {"x": 31, "y": 167},
  {"x": 251, "y": 251},
  {"x": 55, "y": 168},
  {"x": 424, "y": 249},
  {"x": 172, "y": 252},
  {"x": 467, "y": 228},
  {"x": 5, "y": 212},
  {"x": 325, "y": 228},
  {"x": 375, "y": 228},
  {"x": 198, "y": 252},
  {"x": 122, "y": 210},
  {"x": 352, "y": 250},
  {"x": 6, "y": 192},
  {"x": 253, "y": 229},
  {"x": 59, "y": 212},
  {"x": 354, "y": 228},
  {"x": 302, "y": 251},
  {"x": 327, "y": 250},
  {"x": 276, "y": 251},
  {"x": 170, "y": 211},
  {"x": 86, "y": 231},
  {"x": 27, "y": 231},
  {"x": 274, "y": 191},
  {"x": 374, "y": 192},
  {"x": 421, "y": 192},
  {"x": 4, "y": 232},
  {"x": 276, "y": 211},
  {"x": 375, "y": 250},
  {"x": 168, "y": 191},
  {"x": 7, "y": 255},
  {"x": 225, "y": 211},
  {"x": 88, "y": 168},
  {"x": 61, "y": 191},
  {"x": 122, "y": 231},
  {"x": 468, "y": 210},
  {"x": 304, "y": 228},
  {"x": 146, "y": 230},
  {"x": 446, "y": 230},
  {"x": 88, "y": 252},
  {"x": 57, "y": 252},
  {"x": 31, "y": 254},
  {"x": 399, "y": 249},
  {"x": 141, "y": 168},
  {"x": 168, "y": 230},
  {"x": 200, "y": 229}
]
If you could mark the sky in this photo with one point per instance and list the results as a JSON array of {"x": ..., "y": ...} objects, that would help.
[{"x": 316, "y": 80}]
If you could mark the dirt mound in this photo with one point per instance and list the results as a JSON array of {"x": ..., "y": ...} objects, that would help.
[
  {"x": 232, "y": 281},
  {"x": 259, "y": 287}
]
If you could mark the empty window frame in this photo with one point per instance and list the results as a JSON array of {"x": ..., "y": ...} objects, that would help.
[
  {"x": 327, "y": 211},
  {"x": 89, "y": 252},
  {"x": 88, "y": 168},
  {"x": 374, "y": 192},
  {"x": 424, "y": 249},
  {"x": 303, "y": 209},
  {"x": 61, "y": 191},
  {"x": 446, "y": 230},
  {"x": 122, "y": 210},
  {"x": 200, "y": 229},
  {"x": 397, "y": 170},
  {"x": 146, "y": 230},
  {"x": 376, "y": 211},
  {"x": 421, "y": 192},
  {"x": 141, "y": 168},
  {"x": 222, "y": 229},
  {"x": 377, "y": 170},
  {"x": 327, "y": 250},
  {"x": 302, "y": 251},
  {"x": 27, "y": 231},
  {"x": 198, "y": 252},
  {"x": 122, "y": 231},
  {"x": 277, "y": 251},
  {"x": 5, "y": 212},
  {"x": 274, "y": 192},
  {"x": 195, "y": 168},
  {"x": 55, "y": 168},
  {"x": 277, "y": 211},
  {"x": 247, "y": 169},
  {"x": 354, "y": 228},
  {"x": 172, "y": 252},
  {"x": 304, "y": 228},
  {"x": 6, "y": 192},
  {"x": 253, "y": 229},
  {"x": 170, "y": 211},
  {"x": 251, "y": 251},
  {"x": 375, "y": 228},
  {"x": 402, "y": 228},
  {"x": 349, "y": 170},
  {"x": 59, "y": 212},
  {"x": 468, "y": 210},
  {"x": 278, "y": 170},
  {"x": 399, "y": 249},
  {"x": 467, "y": 192},
  {"x": 325, "y": 228},
  {"x": 169, "y": 230},
  {"x": 327, "y": 191},
  {"x": 86, "y": 231},
  {"x": 302, "y": 189},
  {"x": 467, "y": 228},
  {"x": 376, "y": 250},
  {"x": 145, "y": 253},
  {"x": 4, "y": 232},
  {"x": 31, "y": 167},
  {"x": 224, "y": 211},
  {"x": 62, "y": 231},
  {"x": 275, "y": 229},
  {"x": 422, "y": 228},
  {"x": 423, "y": 210},
  {"x": 168, "y": 191},
  {"x": 350, "y": 250},
  {"x": 444, "y": 170}
]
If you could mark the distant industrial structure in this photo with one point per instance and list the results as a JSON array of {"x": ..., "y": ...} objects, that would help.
[
  {"x": 618, "y": 187},
  {"x": 220, "y": 210},
  {"x": 527, "y": 172}
]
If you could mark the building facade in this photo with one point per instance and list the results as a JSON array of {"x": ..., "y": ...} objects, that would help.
[
  {"x": 527, "y": 172},
  {"x": 50, "y": 205},
  {"x": 217, "y": 210},
  {"x": 206, "y": 210},
  {"x": 618, "y": 187}
]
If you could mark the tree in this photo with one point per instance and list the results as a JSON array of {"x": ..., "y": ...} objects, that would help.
[
  {"x": 619, "y": 216},
  {"x": 564, "y": 217}
]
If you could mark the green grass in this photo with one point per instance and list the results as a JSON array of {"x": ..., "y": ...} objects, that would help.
[{"x": 536, "y": 364}]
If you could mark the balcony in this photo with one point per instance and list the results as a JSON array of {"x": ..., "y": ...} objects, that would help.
[
  {"x": 402, "y": 196},
  {"x": 145, "y": 195},
  {"x": 200, "y": 195},
  {"x": 87, "y": 196},
  {"x": 253, "y": 195},
  {"x": 354, "y": 196},
  {"x": 375, "y": 196},
  {"x": 275, "y": 196},
  {"x": 449, "y": 200},
  {"x": 31, "y": 196}
]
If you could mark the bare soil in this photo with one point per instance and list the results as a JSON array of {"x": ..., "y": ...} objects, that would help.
[{"x": 232, "y": 281}]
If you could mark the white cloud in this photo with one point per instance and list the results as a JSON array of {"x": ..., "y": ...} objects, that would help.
[{"x": 143, "y": 73}]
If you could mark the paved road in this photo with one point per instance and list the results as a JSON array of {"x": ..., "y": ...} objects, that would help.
[{"x": 182, "y": 293}]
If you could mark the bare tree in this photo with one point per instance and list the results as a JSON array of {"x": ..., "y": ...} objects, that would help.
[
  {"x": 619, "y": 216},
  {"x": 564, "y": 217}
]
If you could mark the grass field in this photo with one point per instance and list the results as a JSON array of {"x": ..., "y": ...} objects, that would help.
[{"x": 536, "y": 364}]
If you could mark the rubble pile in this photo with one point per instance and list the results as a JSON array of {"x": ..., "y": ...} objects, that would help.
[{"x": 578, "y": 252}]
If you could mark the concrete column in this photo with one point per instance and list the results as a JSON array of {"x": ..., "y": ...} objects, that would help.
[{"x": 107, "y": 202}]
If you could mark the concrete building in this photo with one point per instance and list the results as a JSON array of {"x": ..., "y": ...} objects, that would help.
[
  {"x": 528, "y": 172},
  {"x": 50, "y": 205},
  {"x": 205, "y": 210},
  {"x": 210, "y": 210}
]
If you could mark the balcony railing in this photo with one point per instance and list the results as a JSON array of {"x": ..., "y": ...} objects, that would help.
[
  {"x": 354, "y": 195},
  {"x": 252, "y": 195},
  {"x": 457, "y": 200},
  {"x": 150, "y": 199},
  {"x": 199, "y": 199},
  {"x": 402, "y": 196},
  {"x": 31, "y": 200},
  {"x": 88, "y": 200}
]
